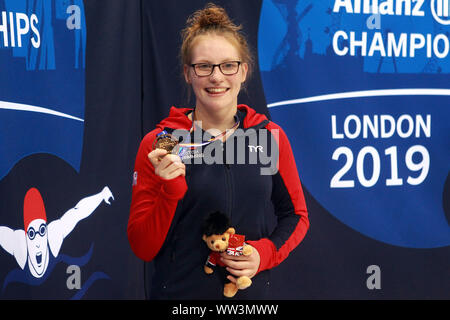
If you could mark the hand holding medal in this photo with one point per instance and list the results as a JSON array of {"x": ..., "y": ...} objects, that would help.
[{"x": 165, "y": 157}]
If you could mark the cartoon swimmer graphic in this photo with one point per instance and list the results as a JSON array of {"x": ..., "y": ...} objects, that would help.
[{"x": 40, "y": 242}]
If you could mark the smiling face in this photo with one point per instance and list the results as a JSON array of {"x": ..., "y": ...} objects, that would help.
[
  {"x": 37, "y": 237},
  {"x": 217, "y": 92}
]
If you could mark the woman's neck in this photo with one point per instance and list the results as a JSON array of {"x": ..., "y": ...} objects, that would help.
[{"x": 217, "y": 122}]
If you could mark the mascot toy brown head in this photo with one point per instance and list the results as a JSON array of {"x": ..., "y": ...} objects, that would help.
[
  {"x": 217, "y": 231},
  {"x": 220, "y": 237}
]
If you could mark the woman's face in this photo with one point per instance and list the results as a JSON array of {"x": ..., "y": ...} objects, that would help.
[{"x": 217, "y": 91}]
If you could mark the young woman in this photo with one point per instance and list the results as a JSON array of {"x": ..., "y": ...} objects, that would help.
[{"x": 235, "y": 161}]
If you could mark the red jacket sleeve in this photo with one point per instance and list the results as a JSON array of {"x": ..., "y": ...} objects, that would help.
[
  {"x": 153, "y": 204},
  {"x": 289, "y": 204}
]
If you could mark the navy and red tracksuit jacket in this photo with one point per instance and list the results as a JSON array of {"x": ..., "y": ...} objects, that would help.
[{"x": 166, "y": 215}]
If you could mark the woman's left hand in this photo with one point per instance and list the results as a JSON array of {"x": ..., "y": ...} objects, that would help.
[{"x": 240, "y": 266}]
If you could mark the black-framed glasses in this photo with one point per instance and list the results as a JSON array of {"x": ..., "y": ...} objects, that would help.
[
  {"x": 41, "y": 231},
  {"x": 204, "y": 69}
]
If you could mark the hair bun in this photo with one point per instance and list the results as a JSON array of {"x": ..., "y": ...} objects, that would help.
[{"x": 211, "y": 17}]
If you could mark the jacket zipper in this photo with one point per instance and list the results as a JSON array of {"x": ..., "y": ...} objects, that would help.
[{"x": 229, "y": 191}]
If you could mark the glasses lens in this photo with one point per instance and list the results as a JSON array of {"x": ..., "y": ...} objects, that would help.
[
  {"x": 42, "y": 229},
  {"x": 203, "y": 69},
  {"x": 31, "y": 233},
  {"x": 229, "y": 68},
  {"x": 206, "y": 69}
]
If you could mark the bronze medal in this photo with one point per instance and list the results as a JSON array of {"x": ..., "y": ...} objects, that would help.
[{"x": 165, "y": 141}]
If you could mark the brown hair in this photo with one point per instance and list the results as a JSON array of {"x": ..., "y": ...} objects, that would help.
[{"x": 214, "y": 19}]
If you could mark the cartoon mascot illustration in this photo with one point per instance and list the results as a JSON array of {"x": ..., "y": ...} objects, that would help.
[{"x": 33, "y": 243}]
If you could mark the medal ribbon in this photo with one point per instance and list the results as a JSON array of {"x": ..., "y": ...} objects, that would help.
[{"x": 196, "y": 145}]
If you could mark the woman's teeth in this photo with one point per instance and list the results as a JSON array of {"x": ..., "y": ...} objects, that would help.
[{"x": 216, "y": 90}]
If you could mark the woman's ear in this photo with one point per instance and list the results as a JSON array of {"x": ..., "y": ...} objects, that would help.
[
  {"x": 186, "y": 73},
  {"x": 244, "y": 71}
]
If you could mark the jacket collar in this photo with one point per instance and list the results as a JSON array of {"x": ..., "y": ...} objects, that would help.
[{"x": 178, "y": 118}]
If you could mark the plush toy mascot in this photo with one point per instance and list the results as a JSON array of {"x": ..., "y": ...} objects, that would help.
[{"x": 220, "y": 237}]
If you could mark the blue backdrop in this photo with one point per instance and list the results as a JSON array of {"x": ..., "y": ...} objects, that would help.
[
  {"x": 374, "y": 120},
  {"x": 363, "y": 93}
]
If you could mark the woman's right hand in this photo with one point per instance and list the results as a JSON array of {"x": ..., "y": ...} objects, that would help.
[{"x": 167, "y": 166}]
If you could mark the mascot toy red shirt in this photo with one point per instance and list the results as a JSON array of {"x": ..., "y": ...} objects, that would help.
[{"x": 235, "y": 248}]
